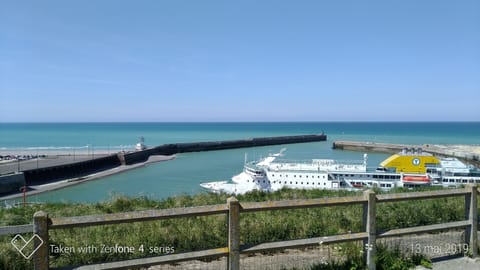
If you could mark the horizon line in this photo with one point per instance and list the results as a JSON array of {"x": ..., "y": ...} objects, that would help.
[{"x": 232, "y": 122}]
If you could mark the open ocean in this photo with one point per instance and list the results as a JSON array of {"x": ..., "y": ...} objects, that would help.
[{"x": 184, "y": 174}]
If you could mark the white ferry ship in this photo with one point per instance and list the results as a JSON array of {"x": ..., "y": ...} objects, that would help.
[{"x": 409, "y": 168}]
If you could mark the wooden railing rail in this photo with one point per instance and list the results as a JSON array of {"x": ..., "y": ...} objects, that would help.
[
  {"x": 136, "y": 216},
  {"x": 306, "y": 203},
  {"x": 27, "y": 228},
  {"x": 422, "y": 195}
]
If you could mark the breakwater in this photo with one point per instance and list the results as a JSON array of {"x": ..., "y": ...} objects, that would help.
[
  {"x": 170, "y": 149},
  {"x": 468, "y": 153},
  {"x": 49, "y": 174}
]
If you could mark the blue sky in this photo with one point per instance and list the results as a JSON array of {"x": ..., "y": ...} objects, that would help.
[{"x": 71, "y": 61}]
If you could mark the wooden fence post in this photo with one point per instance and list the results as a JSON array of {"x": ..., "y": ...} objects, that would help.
[
  {"x": 364, "y": 229},
  {"x": 370, "y": 247},
  {"x": 233, "y": 234},
  {"x": 40, "y": 228},
  {"x": 468, "y": 203},
  {"x": 473, "y": 220}
]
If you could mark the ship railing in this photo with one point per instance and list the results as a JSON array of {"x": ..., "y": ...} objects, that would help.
[{"x": 326, "y": 161}]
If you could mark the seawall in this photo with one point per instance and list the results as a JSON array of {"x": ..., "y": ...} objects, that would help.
[
  {"x": 468, "y": 153},
  {"x": 44, "y": 175},
  {"x": 72, "y": 170},
  {"x": 11, "y": 183},
  {"x": 370, "y": 146},
  {"x": 170, "y": 149}
]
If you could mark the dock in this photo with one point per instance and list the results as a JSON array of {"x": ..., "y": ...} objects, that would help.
[{"x": 465, "y": 152}]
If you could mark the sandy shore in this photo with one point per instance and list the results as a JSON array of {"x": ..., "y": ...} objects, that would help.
[
  {"x": 75, "y": 181},
  {"x": 82, "y": 151},
  {"x": 458, "y": 148}
]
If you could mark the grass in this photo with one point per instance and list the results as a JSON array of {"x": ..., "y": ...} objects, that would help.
[
  {"x": 198, "y": 233},
  {"x": 385, "y": 260}
]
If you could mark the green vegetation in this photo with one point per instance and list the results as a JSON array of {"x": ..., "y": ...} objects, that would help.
[
  {"x": 187, "y": 234},
  {"x": 385, "y": 260}
]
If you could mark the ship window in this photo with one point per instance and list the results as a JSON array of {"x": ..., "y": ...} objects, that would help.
[
  {"x": 323, "y": 177},
  {"x": 302, "y": 183},
  {"x": 319, "y": 176},
  {"x": 280, "y": 175},
  {"x": 273, "y": 174},
  {"x": 285, "y": 182},
  {"x": 307, "y": 183},
  {"x": 263, "y": 181},
  {"x": 296, "y": 183},
  {"x": 300, "y": 176},
  {"x": 290, "y": 182},
  {"x": 324, "y": 183},
  {"x": 294, "y": 175},
  {"x": 306, "y": 176}
]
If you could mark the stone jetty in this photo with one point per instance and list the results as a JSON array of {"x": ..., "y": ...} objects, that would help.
[{"x": 468, "y": 153}]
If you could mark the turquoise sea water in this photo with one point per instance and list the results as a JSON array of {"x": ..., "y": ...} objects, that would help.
[{"x": 184, "y": 174}]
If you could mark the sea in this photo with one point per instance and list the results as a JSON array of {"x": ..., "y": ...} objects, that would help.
[{"x": 183, "y": 174}]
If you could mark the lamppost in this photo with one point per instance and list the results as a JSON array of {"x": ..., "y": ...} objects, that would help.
[{"x": 24, "y": 194}]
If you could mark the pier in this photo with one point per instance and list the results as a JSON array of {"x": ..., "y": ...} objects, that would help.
[
  {"x": 468, "y": 153},
  {"x": 171, "y": 149}
]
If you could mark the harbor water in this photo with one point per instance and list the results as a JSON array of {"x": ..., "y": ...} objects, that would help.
[{"x": 184, "y": 174}]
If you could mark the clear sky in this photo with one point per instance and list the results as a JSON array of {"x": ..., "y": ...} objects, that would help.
[{"x": 403, "y": 60}]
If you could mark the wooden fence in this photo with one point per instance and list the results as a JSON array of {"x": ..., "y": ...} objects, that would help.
[{"x": 42, "y": 224}]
